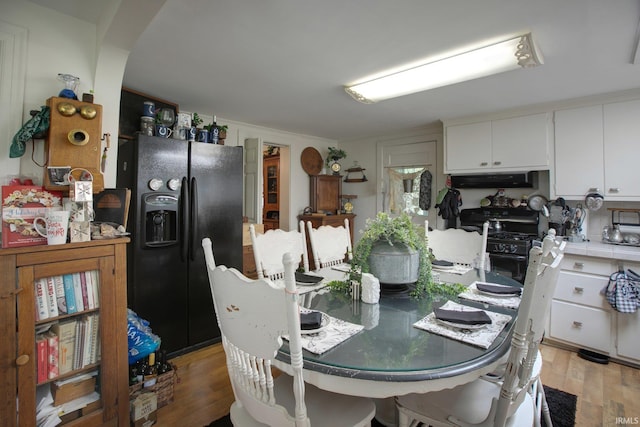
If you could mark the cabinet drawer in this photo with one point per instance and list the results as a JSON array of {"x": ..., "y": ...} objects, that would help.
[
  {"x": 581, "y": 289},
  {"x": 628, "y": 333},
  {"x": 590, "y": 265},
  {"x": 584, "y": 326}
]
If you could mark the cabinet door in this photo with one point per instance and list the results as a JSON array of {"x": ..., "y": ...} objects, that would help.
[
  {"x": 579, "y": 143},
  {"x": 521, "y": 142},
  {"x": 628, "y": 333},
  {"x": 103, "y": 320},
  {"x": 622, "y": 149},
  {"x": 468, "y": 147},
  {"x": 580, "y": 325}
]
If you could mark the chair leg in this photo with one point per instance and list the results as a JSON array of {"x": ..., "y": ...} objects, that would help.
[{"x": 545, "y": 407}]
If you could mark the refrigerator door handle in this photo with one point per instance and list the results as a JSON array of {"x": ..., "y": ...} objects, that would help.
[
  {"x": 193, "y": 227},
  {"x": 184, "y": 219}
]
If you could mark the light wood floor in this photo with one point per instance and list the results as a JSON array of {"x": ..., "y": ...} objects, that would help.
[{"x": 604, "y": 392}]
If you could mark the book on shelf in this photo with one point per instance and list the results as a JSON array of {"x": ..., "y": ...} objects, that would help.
[
  {"x": 89, "y": 284},
  {"x": 77, "y": 288},
  {"x": 52, "y": 302},
  {"x": 69, "y": 293},
  {"x": 42, "y": 306},
  {"x": 95, "y": 280},
  {"x": 52, "y": 355},
  {"x": 95, "y": 334},
  {"x": 61, "y": 297},
  {"x": 66, "y": 332},
  {"x": 77, "y": 347},
  {"x": 86, "y": 348},
  {"x": 41, "y": 358},
  {"x": 83, "y": 288}
]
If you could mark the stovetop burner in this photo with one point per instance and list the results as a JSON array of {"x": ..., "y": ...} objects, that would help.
[{"x": 503, "y": 235}]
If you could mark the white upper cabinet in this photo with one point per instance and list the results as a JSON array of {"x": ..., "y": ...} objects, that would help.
[
  {"x": 622, "y": 149},
  {"x": 514, "y": 144},
  {"x": 579, "y": 149},
  {"x": 468, "y": 147},
  {"x": 597, "y": 149}
]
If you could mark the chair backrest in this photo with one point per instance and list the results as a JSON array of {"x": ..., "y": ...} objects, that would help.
[
  {"x": 253, "y": 315},
  {"x": 268, "y": 249},
  {"x": 539, "y": 286},
  {"x": 330, "y": 245},
  {"x": 459, "y": 246}
]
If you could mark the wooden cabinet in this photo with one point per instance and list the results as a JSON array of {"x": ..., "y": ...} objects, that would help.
[
  {"x": 324, "y": 193},
  {"x": 21, "y": 268},
  {"x": 271, "y": 192},
  {"x": 513, "y": 144},
  {"x": 581, "y": 317},
  {"x": 596, "y": 149}
]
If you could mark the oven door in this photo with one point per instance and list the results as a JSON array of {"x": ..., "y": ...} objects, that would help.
[{"x": 509, "y": 265}]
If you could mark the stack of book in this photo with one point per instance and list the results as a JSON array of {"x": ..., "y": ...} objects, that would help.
[
  {"x": 67, "y": 346},
  {"x": 67, "y": 294}
]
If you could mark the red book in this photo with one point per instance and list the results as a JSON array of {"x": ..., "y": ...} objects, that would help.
[
  {"x": 42, "y": 355},
  {"x": 52, "y": 355}
]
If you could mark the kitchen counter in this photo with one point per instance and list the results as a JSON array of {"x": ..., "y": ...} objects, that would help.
[{"x": 604, "y": 250}]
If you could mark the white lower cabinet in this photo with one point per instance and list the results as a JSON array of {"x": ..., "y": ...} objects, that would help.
[
  {"x": 588, "y": 327},
  {"x": 629, "y": 335},
  {"x": 582, "y": 318}
]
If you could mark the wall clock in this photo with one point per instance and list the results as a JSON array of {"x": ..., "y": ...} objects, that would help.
[{"x": 336, "y": 167}]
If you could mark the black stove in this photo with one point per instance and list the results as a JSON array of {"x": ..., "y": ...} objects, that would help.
[{"x": 511, "y": 234}]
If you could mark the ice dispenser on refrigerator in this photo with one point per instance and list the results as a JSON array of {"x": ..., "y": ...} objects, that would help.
[{"x": 160, "y": 213}]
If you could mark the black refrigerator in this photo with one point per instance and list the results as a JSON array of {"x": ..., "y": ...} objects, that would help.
[{"x": 181, "y": 192}]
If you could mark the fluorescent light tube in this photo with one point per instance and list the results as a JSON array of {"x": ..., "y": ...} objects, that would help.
[{"x": 518, "y": 52}]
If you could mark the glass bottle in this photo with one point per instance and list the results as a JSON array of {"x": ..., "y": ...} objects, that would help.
[
  {"x": 214, "y": 132},
  {"x": 150, "y": 372}
]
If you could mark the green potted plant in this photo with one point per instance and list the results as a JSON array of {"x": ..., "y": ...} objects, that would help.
[
  {"x": 396, "y": 231},
  {"x": 334, "y": 155},
  {"x": 196, "y": 120}
]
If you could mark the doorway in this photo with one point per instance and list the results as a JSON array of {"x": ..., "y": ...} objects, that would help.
[{"x": 267, "y": 189}]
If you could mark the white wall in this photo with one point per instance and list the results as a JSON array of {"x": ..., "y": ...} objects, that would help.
[
  {"x": 57, "y": 43},
  {"x": 364, "y": 151}
]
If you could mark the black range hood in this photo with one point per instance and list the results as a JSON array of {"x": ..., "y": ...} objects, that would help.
[{"x": 494, "y": 180}]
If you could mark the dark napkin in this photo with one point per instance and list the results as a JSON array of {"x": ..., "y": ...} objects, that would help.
[
  {"x": 499, "y": 290},
  {"x": 310, "y": 320},
  {"x": 441, "y": 263},
  {"x": 475, "y": 317},
  {"x": 307, "y": 278}
]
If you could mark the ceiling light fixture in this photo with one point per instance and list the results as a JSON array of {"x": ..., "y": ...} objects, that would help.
[{"x": 518, "y": 52}]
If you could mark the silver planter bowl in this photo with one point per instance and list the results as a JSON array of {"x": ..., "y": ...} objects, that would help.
[{"x": 395, "y": 264}]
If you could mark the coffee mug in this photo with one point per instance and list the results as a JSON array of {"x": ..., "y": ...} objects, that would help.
[
  {"x": 163, "y": 131},
  {"x": 55, "y": 225},
  {"x": 181, "y": 133},
  {"x": 203, "y": 135},
  {"x": 191, "y": 133}
]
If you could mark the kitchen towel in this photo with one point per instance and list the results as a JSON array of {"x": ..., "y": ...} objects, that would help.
[
  {"x": 482, "y": 337},
  {"x": 472, "y": 293}
]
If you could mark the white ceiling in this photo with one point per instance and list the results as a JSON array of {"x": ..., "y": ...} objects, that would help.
[{"x": 283, "y": 63}]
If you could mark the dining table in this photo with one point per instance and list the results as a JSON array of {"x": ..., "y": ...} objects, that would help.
[{"x": 390, "y": 356}]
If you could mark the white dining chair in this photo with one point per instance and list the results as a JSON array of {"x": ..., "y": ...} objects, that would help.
[
  {"x": 268, "y": 249},
  {"x": 330, "y": 245},
  {"x": 507, "y": 402},
  {"x": 253, "y": 316},
  {"x": 461, "y": 247}
]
